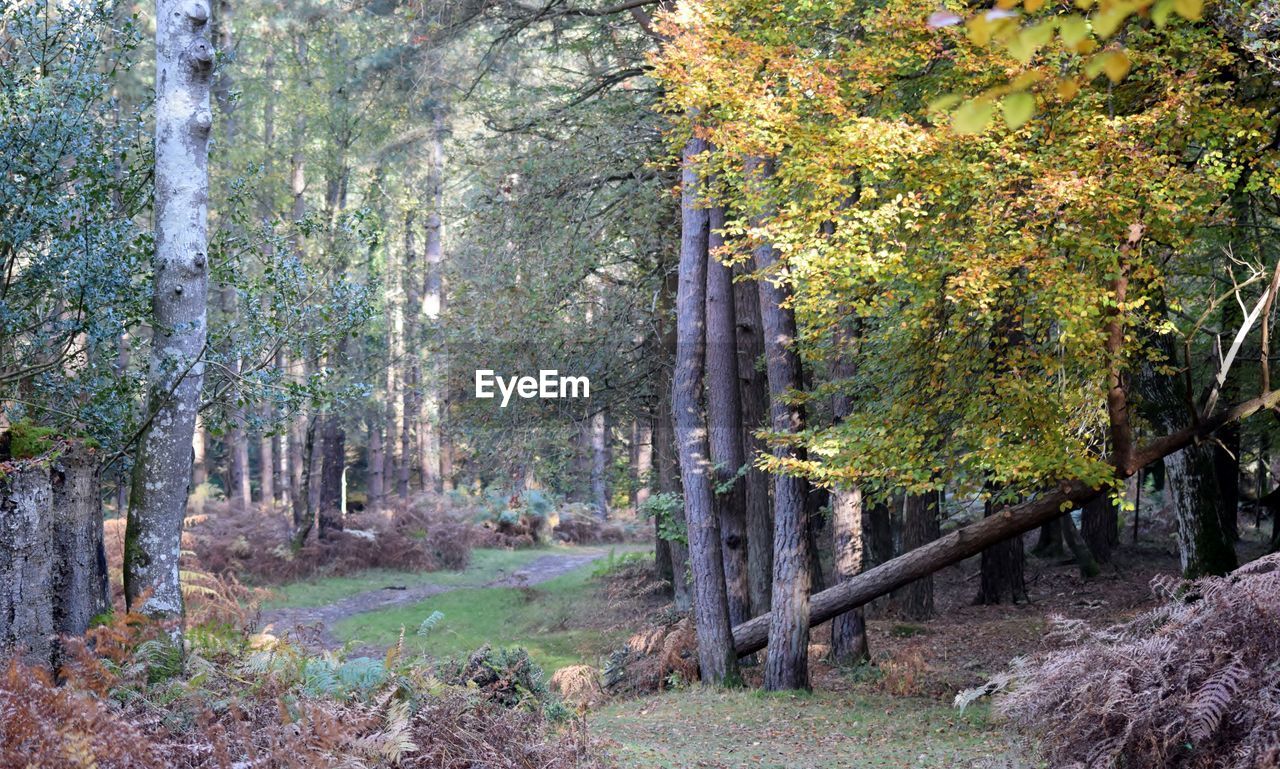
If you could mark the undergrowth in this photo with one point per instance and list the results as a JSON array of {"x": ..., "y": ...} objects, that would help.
[
  {"x": 1192, "y": 684},
  {"x": 126, "y": 697}
]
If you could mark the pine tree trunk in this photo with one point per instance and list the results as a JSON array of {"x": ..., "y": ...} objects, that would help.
[
  {"x": 665, "y": 454},
  {"x": 787, "y": 664},
  {"x": 377, "y": 463},
  {"x": 411, "y": 366},
  {"x": 433, "y": 303},
  {"x": 1098, "y": 522},
  {"x": 920, "y": 526},
  {"x": 724, "y": 417},
  {"x": 599, "y": 438},
  {"x": 1050, "y": 544},
  {"x": 641, "y": 462},
  {"x": 849, "y": 630},
  {"x": 334, "y": 450},
  {"x": 1002, "y": 579},
  {"x": 753, "y": 392},
  {"x": 717, "y": 661},
  {"x": 162, "y": 465}
]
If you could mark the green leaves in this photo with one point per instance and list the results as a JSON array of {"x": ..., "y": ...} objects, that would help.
[{"x": 1018, "y": 108}]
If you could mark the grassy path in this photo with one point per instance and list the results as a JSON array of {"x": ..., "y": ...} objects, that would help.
[{"x": 311, "y": 611}]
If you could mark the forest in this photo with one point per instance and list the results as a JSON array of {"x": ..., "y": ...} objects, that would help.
[{"x": 608, "y": 384}]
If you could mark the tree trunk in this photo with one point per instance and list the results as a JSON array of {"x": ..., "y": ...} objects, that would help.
[
  {"x": 199, "y": 454},
  {"x": 1190, "y": 476},
  {"x": 724, "y": 417},
  {"x": 334, "y": 461},
  {"x": 716, "y": 661},
  {"x": 849, "y": 630},
  {"x": 664, "y": 447},
  {"x": 162, "y": 465},
  {"x": 641, "y": 462},
  {"x": 1084, "y": 559},
  {"x": 298, "y": 456},
  {"x": 753, "y": 392},
  {"x": 433, "y": 301},
  {"x": 1098, "y": 522},
  {"x": 662, "y": 566},
  {"x": 920, "y": 526},
  {"x": 26, "y": 573},
  {"x": 599, "y": 439},
  {"x": 410, "y": 366},
  {"x": 1050, "y": 544},
  {"x": 1002, "y": 579},
  {"x": 787, "y": 664},
  {"x": 377, "y": 463},
  {"x": 80, "y": 590}
]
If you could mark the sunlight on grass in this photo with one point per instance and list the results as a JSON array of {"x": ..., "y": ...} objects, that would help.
[
  {"x": 486, "y": 566},
  {"x": 733, "y": 730},
  {"x": 552, "y": 620}
]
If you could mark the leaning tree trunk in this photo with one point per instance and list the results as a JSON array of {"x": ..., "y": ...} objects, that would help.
[
  {"x": 753, "y": 391},
  {"x": 787, "y": 664},
  {"x": 1013, "y": 521},
  {"x": 716, "y": 660},
  {"x": 724, "y": 417},
  {"x": 26, "y": 575},
  {"x": 162, "y": 465}
]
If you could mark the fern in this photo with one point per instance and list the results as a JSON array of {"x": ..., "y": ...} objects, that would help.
[
  {"x": 430, "y": 623},
  {"x": 1213, "y": 699}
]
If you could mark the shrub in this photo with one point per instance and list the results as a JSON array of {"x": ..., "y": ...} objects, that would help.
[{"x": 1189, "y": 685}]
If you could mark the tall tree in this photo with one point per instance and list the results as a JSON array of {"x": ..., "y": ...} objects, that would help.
[
  {"x": 716, "y": 658},
  {"x": 724, "y": 417},
  {"x": 787, "y": 663},
  {"x": 162, "y": 467},
  {"x": 753, "y": 390}
]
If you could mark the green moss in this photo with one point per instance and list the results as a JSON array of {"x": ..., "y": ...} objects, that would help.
[{"x": 28, "y": 440}]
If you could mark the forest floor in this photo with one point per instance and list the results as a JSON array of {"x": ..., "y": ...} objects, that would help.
[
  {"x": 895, "y": 712},
  {"x": 369, "y": 609}
]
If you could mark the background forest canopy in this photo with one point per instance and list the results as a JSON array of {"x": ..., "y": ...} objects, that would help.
[{"x": 401, "y": 192}]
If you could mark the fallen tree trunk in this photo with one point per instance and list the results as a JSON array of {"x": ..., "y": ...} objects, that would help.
[{"x": 970, "y": 540}]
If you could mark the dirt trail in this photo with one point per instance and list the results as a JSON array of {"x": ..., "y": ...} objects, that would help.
[{"x": 312, "y": 625}]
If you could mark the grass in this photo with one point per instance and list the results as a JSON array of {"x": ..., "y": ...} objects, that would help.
[
  {"x": 749, "y": 729},
  {"x": 486, "y": 566},
  {"x": 558, "y": 621}
]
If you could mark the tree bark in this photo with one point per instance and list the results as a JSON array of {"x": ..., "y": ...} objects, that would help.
[
  {"x": 377, "y": 462},
  {"x": 849, "y": 630},
  {"x": 665, "y": 454},
  {"x": 641, "y": 462},
  {"x": 79, "y": 587},
  {"x": 1084, "y": 559},
  {"x": 26, "y": 574},
  {"x": 162, "y": 465},
  {"x": 1049, "y": 544},
  {"x": 599, "y": 439},
  {"x": 1190, "y": 476},
  {"x": 433, "y": 302},
  {"x": 716, "y": 660},
  {"x": 410, "y": 367},
  {"x": 334, "y": 462},
  {"x": 753, "y": 392},
  {"x": 920, "y": 526},
  {"x": 724, "y": 417},
  {"x": 1098, "y": 522},
  {"x": 787, "y": 663},
  {"x": 1002, "y": 577}
]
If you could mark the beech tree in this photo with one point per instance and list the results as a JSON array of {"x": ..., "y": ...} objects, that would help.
[{"x": 162, "y": 468}]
